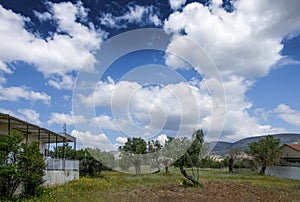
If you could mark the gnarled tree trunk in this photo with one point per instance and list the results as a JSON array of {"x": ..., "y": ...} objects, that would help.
[
  {"x": 137, "y": 166},
  {"x": 191, "y": 178},
  {"x": 263, "y": 170},
  {"x": 167, "y": 169},
  {"x": 230, "y": 164}
]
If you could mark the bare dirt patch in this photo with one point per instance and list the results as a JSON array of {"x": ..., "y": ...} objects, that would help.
[{"x": 212, "y": 191}]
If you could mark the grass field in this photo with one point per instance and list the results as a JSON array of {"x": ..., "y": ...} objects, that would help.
[{"x": 219, "y": 185}]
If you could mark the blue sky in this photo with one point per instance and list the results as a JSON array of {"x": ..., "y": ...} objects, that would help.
[{"x": 253, "y": 44}]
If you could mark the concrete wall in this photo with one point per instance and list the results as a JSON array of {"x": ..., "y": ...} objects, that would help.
[
  {"x": 284, "y": 172},
  {"x": 60, "y": 177},
  {"x": 55, "y": 177}
]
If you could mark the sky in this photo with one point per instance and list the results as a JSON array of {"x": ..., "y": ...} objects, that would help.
[{"x": 228, "y": 67}]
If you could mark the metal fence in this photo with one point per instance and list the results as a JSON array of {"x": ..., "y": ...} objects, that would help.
[{"x": 61, "y": 164}]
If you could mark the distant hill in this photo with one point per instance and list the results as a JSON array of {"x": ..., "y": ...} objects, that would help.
[{"x": 222, "y": 148}]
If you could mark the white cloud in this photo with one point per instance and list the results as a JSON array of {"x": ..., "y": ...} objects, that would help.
[
  {"x": 142, "y": 111},
  {"x": 4, "y": 68},
  {"x": 136, "y": 15},
  {"x": 94, "y": 141},
  {"x": 176, "y": 4},
  {"x": 16, "y": 93},
  {"x": 62, "y": 82},
  {"x": 155, "y": 20},
  {"x": 57, "y": 56},
  {"x": 7, "y": 111},
  {"x": 30, "y": 115},
  {"x": 244, "y": 44},
  {"x": 69, "y": 119},
  {"x": 42, "y": 16},
  {"x": 102, "y": 96},
  {"x": 288, "y": 114},
  {"x": 162, "y": 139},
  {"x": 105, "y": 122},
  {"x": 121, "y": 140}
]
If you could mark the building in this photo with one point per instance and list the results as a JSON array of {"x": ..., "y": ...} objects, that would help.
[
  {"x": 58, "y": 170},
  {"x": 290, "y": 155}
]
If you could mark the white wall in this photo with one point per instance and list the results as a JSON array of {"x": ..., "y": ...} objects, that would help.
[
  {"x": 60, "y": 177},
  {"x": 284, "y": 172}
]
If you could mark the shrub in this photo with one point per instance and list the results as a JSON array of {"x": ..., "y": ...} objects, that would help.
[{"x": 19, "y": 163}]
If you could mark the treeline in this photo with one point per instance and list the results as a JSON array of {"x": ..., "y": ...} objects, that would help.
[{"x": 183, "y": 152}]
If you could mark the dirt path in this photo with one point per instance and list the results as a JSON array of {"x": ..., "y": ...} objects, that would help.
[{"x": 213, "y": 191}]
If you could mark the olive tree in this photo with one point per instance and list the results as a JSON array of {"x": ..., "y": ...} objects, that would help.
[
  {"x": 191, "y": 157},
  {"x": 265, "y": 152},
  {"x": 133, "y": 149}
]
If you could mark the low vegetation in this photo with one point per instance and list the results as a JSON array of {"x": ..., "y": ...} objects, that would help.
[{"x": 219, "y": 185}]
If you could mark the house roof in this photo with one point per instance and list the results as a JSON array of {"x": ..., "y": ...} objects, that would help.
[
  {"x": 294, "y": 146},
  {"x": 10, "y": 123}
]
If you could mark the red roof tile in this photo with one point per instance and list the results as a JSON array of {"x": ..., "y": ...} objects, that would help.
[{"x": 294, "y": 146}]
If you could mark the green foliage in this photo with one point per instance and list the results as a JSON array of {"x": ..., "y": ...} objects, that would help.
[
  {"x": 10, "y": 177},
  {"x": 192, "y": 156},
  {"x": 209, "y": 162},
  {"x": 265, "y": 151},
  {"x": 63, "y": 152},
  {"x": 91, "y": 161},
  {"x": 20, "y": 163},
  {"x": 135, "y": 146},
  {"x": 32, "y": 168},
  {"x": 244, "y": 164},
  {"x": 154, "y": 148},
  {"x": 233, "y": 153},
  {"x": 88, "y": 165},
  {"x": 133, "y": 150},
  {"x": 124, "y": 161},
  {"x": 106, "y": 159}
]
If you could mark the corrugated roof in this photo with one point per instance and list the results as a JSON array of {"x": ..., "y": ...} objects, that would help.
[
  {"x": 45, "y": 135},
  {"x": 294, "y": 146}
]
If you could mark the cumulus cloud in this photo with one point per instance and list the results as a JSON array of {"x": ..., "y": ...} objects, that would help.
[
  {"x": 176, "y": 4},
  {"x": 142, "y": 110},
  {"x": 15, "y": 93},
  {"x": 7, "y": 111},
  {"x": 288, "y": 114},
  {"x": 42, "y": 16},
  {"x": 58, "y": 56},
  {"x": 121, "y": 140},
  {"x": 69, "y": 119},
  {"x": 104, "y": 122},
  {"x": 136, "y": 15},
  {"x": 162, "y": 139},
  {"x": 245, "y": 45},
  {"x": 245, "y": 42},
  {"x": 30, "y": 115},
  {"x": 90, "y": 140}
]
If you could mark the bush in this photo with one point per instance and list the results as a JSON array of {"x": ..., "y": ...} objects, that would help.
[
  {"x": 244, "y": 163},
  {"x": 19, "y": 163},
  {"x": 32, "y": 167}
]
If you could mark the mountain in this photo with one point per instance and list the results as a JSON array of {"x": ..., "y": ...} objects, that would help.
[{"x": 222, "y": 148}]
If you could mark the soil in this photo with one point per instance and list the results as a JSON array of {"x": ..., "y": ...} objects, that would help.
[{"x": 212, "y": 191}]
